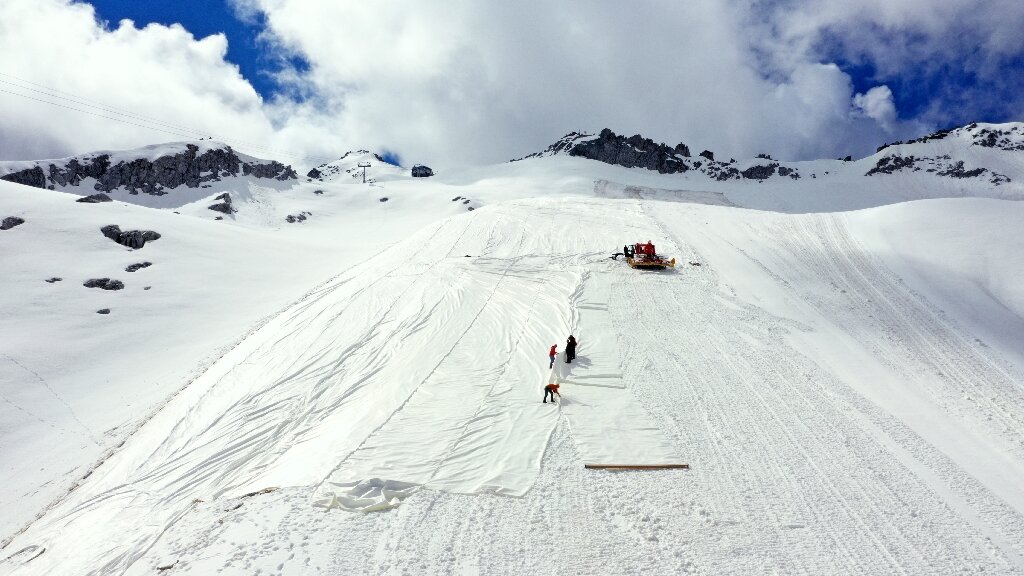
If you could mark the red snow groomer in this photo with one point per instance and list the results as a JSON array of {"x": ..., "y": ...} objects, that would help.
[{"x": 644, "y": 256}]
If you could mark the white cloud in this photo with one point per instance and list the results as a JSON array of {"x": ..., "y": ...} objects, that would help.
[
  {"x": 877, "y": 103},
  {"x": 468, "y": 82},
  {"x": 473, "y": 82},
  {"x": 157, "y": 71}
]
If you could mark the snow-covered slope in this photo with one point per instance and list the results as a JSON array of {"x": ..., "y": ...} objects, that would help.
[
  {"x": 846, "y": 385},
  {"x": 75, "y": 383}
]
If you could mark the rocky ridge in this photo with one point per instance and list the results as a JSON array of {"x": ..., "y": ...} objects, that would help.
[
  {"x": 1008, "y": 137},
  {"x": 189, "y": 167},
  {"x": 639, "y": 152}
]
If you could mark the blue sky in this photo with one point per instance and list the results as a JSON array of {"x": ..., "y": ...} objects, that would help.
[{"x": 202, "y": 18}]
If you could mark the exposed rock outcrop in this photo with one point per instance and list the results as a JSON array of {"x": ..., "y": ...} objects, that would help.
[
  {"x": 138, "y": 266},
  {"x": 639, "y": 152},
  {"x": 224, "y": 206},
  {"x": 132, "y": 239},
  {"x": 957, "y": 171},
  {"x": 188, "y": 168},
  {"x": 1003, "y": 139},
  {"x": 273, "y": 169},
  {"x": 890, "y": 164},
  {"x": 104, "y": 283},
  {"x": 34, "y": 177},
  {"x": 759, "y": 172},
  {"x": 938, "y": 165},
  {"x": 633, "y": 152},
  {"x": 421, "y": 171},
  {"x": 11, "y": 222},
  {"x": 94, "y": 199}
]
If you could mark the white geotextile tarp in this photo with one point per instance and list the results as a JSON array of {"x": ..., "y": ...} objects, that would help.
[
  {"x": 608, "y": 423},
  {"x": 475, "y": 423},
  {"x": 598, "y": 361}
]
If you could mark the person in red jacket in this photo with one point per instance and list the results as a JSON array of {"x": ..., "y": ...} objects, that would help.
[
  {"x": 551, "y": 389},
  {"x": 551, "y": 355}
]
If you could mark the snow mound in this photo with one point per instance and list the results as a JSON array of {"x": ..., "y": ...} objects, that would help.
[{"x": 372, "y": 495}]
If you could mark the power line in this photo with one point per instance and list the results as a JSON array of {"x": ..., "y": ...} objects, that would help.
[
  {"x": 94, "y": 114},
  {"x": 81, "y": 101},
  {"x": 139, "y": 120},
  {"x": 53, "y": 93}
]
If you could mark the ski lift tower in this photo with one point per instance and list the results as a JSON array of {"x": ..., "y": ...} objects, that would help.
[{"x": 364, "y": 166}]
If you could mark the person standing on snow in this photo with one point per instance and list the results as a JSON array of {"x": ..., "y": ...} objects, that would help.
[
  {"x": 570, "y": 349},
  {"x": 551, "y": 355},
  {"x": 551, "y": 389}
]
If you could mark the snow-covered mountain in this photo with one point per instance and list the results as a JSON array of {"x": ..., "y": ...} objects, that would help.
[
  {"x": 837, "y": 357},
  {"x": 353, "y": 165},
  {"x": 971, "y": 154},
  {"x": 164, "y": 175}
]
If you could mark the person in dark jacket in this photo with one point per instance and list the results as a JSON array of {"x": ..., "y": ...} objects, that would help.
[{"x": 570, "y": 349}]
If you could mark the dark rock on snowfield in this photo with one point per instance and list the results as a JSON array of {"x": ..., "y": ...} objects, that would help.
[
  {"x": 764, "y": 172},
  {"x": 94, "y": 199},
  {"x": 104, "y": 283},
  {"x": 300, "y": 217},
  {"x": 52, "y": 280},
  {"x": 890, "y": 164},
  {"x": 132, "y": 239},
  {"x": 633, "y": 152},
  {"x": 273, "y": 169},
  {"x": 11, "y": 222},
  {"x": 708, "y": 154},
  {"x": 224, "y": 206},
  {"x": 34, "y": 177},
  {"x": 957, "y": 171},
  {"x": 384, "y": 199},
  {"x": 421, "y": 171},
  {"x": 138, "y": 266},
  {"x": 314, "y": 173},
  {"x": 103, "y": 311},
  {"x": 759, "y": 172},
  {"x": 318, "y": 192},
  {"x": 1001, "y": 139}
]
